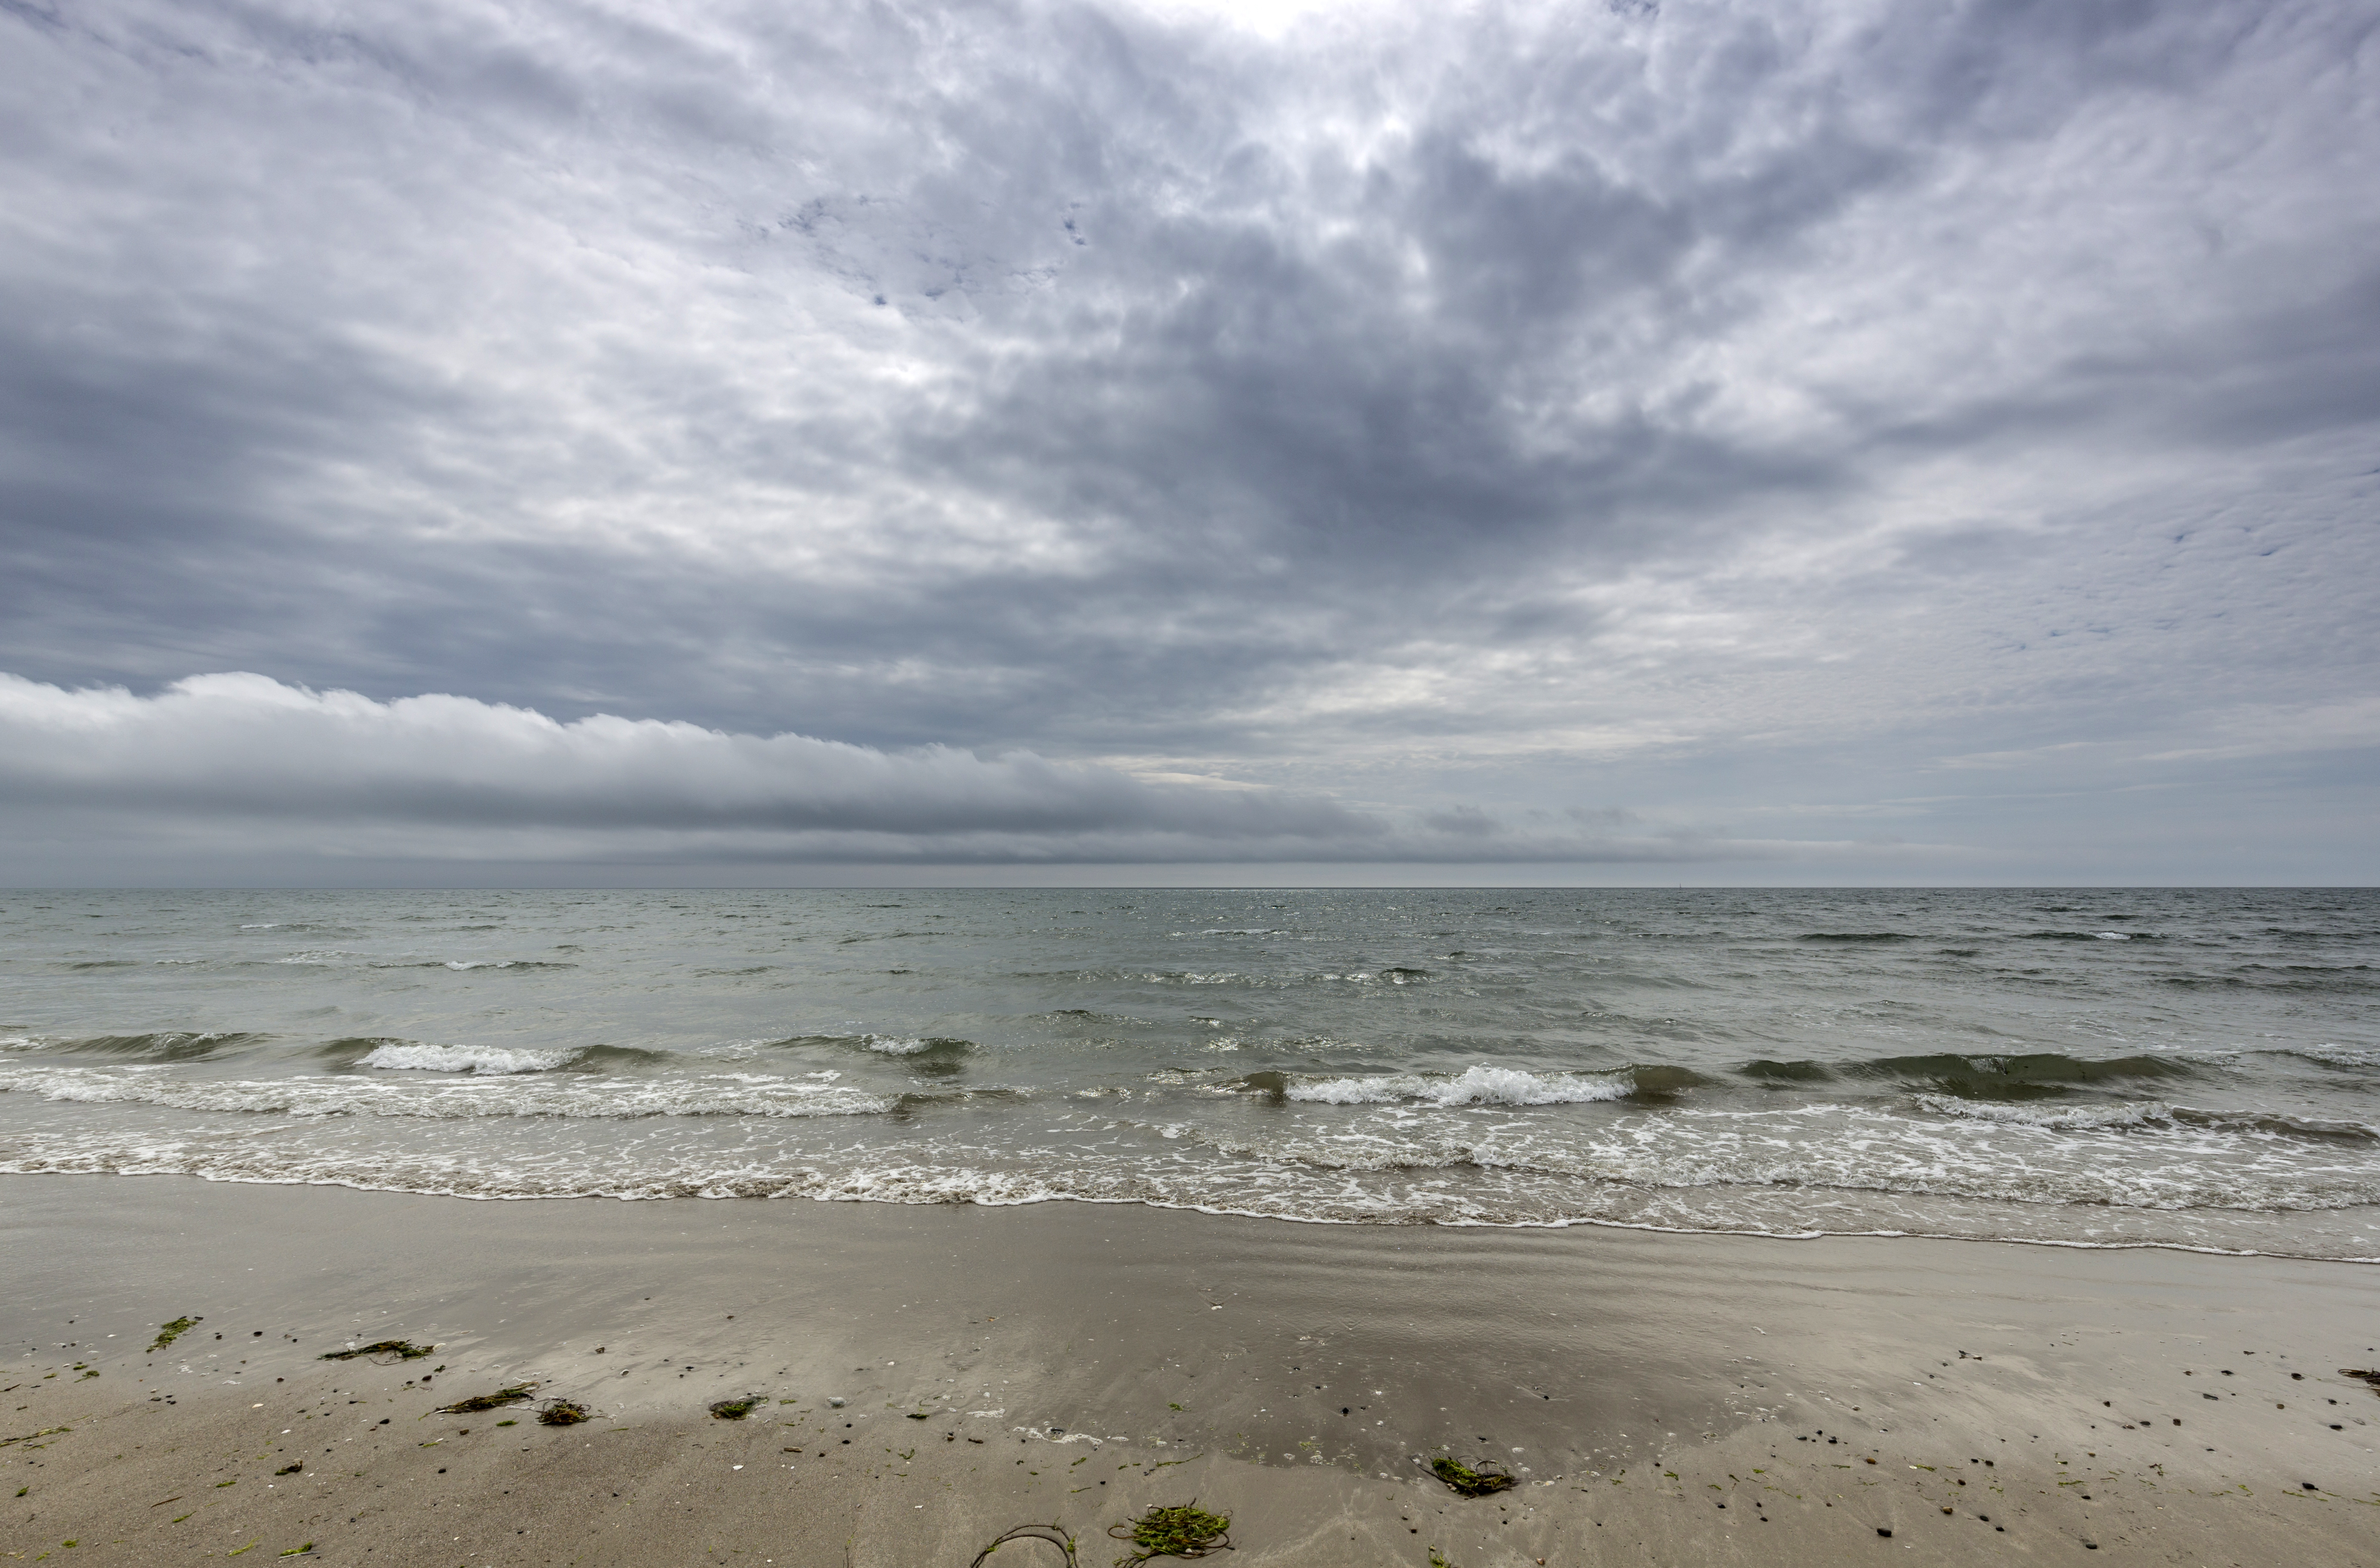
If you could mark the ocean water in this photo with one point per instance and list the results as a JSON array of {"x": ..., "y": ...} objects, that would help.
[{"x": 2185, "y": 1068}]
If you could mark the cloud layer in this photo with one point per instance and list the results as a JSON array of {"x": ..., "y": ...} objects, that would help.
[
  {"x": 1737, "y": 413},
  {"x": 248, "y": 763}
]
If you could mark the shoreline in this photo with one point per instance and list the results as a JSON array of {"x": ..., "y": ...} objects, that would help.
[
  {"x": 1210, "y": 1211},
  {"x": 1622, "y": 1374}
]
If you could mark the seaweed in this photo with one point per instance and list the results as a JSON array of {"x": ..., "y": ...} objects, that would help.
[
  {"x": 1463, "y": 1478},
  {"x": 517, "y": 1393},
  {"x": 168, "y": 1333},
  {"x": 2362, "y": 1374},
  {"x": 1438, "y": 1558},
  {"x": 385, "y": 1353},
  {"x": 1183, "y": 1530},
  {"x": 291, "y": 1469},
  {"x": 563, "y": 1413},
  {"x": 1053, "y": 1533},
  {"x": 736, "y": 1409}
]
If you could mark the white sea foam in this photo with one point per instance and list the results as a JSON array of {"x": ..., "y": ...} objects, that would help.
[
  {"x": 1691, "y": 1173},
  {"x": 1479, "y": 1085},
  {"x": 896, "y": 1045},
  {"x": 568, "y": 1095},
  {"x": 2059, "y": 1118},
  {"x": 463, "y": 1058}
]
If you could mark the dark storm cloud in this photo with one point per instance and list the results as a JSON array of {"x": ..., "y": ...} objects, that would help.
[{"x": 1523, "y": 381}]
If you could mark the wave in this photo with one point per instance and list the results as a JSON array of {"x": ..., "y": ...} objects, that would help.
[
  {"x": 461, "y": 964},
  {"x": 604, "y": 1058},
  {"x": 2038, "y": 1075},
  {"x": 1855, "y": 936},
  {"x": 2088, "y": 936},
  {"x": 2339, "y": 1056},
  {"x": 408, "y": 1056},
  {"x": 526, "y": 1094},
  {"x": 905, "y": 1045},
  {"x": 166, "y": 1045},
  {"x": 922, "y": 1051},
  {"x": 2150, "y": 1113},
  {"x": 405, "y": 1057},
  {"x": 1480, "y": 1085},
  {"x": 1786, "y": 1071}
]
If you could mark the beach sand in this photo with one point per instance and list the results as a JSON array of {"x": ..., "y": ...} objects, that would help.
[{"x": 1659, "y": 1398}]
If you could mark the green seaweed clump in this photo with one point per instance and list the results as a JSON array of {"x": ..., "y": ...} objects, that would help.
[
  {"x": 517, "y": 1393},
  {"x": 169, "y": 1333},
  {"x": 291, "y": 1469},
  {"x": 736, "y": 1409},
  {"x": 388, "y": 1352},
  {"x": 1438, "y": 1558},
  {"x": 563, "y": 1413},
  {"x": 1464, "y": 1480},
  {"x": 1186, "y": 1530}
]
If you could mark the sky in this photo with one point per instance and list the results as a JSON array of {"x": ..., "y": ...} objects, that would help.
[{"x": 1703, "y": 442}]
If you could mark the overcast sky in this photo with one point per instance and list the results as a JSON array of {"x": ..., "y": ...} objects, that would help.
[{"x": 1692, "y": 441}]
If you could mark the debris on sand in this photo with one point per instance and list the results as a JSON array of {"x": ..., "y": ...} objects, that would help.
[
  {"x": 2362, "y": 1374},
  {"x": 387, "y": 1352},
  {"x": 1054, "y": 1534},
  {"x": 1467, "y": 1480},
  {"x": 563, "y": 1413},
  {"x": 1438, "y": 1558},
  {"x": 168, "y": 1332},
  {"x": 28, "y": 1437},
  {"x": 291, "y": 1469},
  {"x": 736, "y": 1409},
  {"x": 1186, "y": 1530},
  {"x": 518, "y": 1393}
]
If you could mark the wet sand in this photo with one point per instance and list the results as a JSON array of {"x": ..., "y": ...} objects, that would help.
[{"x": 1659, "y": 1398}]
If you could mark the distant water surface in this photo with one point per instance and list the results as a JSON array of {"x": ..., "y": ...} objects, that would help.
[{"x": 2193, "y": 1068}]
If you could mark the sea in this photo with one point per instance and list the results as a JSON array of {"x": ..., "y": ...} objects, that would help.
[{"x": 2181, "y": 1068}]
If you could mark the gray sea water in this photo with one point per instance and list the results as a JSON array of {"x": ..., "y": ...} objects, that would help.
[{"x": 2188, "y": 1068}]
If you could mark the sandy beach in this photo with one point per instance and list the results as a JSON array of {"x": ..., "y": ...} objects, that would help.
[{"x": 929, "y": 1377}]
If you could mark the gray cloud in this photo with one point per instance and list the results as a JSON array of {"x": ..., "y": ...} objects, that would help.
[
  {"x": 247, "y": 745},
  {"x": 1454, "y": 415},
  {"x": 244, "y": 761}
]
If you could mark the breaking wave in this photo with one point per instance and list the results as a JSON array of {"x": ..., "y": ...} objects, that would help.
[
  {"x": 1480, "y": 1085},
  {"x": 461, "y": 1059}
]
